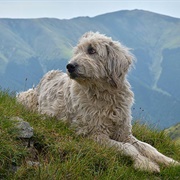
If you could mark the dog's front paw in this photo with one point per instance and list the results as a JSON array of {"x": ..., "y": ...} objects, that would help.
[
  {"x": 173, "y": 163},
  {"x": 144, "y": 164},
  {"x": 168, "y": 161}
]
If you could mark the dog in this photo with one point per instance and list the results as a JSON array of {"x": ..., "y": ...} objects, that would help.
[{"x": 96, "y": 98}]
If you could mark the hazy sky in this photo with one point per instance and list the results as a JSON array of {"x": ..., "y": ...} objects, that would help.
[{"x": 66, "y": 9}]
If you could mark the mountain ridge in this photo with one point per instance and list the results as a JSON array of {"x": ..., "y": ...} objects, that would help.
[{"x": 31, "y": 47}]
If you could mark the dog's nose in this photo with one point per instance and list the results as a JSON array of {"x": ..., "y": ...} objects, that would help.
[{"x": 71, "y": 67}]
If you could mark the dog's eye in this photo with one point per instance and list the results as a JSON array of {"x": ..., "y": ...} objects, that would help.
[{"x": 91, "y": 50}]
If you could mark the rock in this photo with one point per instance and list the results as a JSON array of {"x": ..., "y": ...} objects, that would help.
[
  {"x": 25, "y": 130},
  {"x": 14, "y": 168},
  {"x": 32, "y": 163}
]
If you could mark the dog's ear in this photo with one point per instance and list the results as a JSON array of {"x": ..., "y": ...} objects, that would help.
[{"x": 119, "y": 61}]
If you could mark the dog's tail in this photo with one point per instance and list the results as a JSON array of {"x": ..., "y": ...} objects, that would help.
[{"x": 29, "y": 99}]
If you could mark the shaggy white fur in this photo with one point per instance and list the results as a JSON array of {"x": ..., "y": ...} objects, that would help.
[{"x": 96, "y": 98}]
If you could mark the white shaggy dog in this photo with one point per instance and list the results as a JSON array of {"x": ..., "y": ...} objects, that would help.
[{"x": 96, "y": 97}]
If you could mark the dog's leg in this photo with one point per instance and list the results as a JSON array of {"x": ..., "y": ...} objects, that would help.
[
  {"x": 152, "y": 153},
  {"x": 140, "y": 162}
]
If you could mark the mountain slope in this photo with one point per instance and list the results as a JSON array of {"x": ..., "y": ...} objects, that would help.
[
  {"x": 31, "y": 47},
  {"x": 174, "y": 132},
  {"x": 56, "y": 152}
]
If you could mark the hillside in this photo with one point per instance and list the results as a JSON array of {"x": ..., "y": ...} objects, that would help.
[
  {"x": 31, "y": 47},
  {"x": 55, "y": 152},
  {"x": 174, "y": 132}
]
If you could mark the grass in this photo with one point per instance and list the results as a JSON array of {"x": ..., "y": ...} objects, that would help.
[
  {"x": 63, "y": 155},
  {"x": 174, "y": 132}
]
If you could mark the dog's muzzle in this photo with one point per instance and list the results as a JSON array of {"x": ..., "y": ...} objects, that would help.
[{"x": 71, "y": 68}]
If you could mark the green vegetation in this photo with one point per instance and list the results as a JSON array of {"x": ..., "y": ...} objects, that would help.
[
  {"x": 63, "y": 155},
  {"x": 174, "y": 132}
]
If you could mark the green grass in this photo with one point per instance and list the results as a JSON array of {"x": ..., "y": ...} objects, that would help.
[{"x": 63, "y": 155}]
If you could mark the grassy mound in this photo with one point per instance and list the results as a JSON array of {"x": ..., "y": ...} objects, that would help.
[{"x": 55, "y": 152}]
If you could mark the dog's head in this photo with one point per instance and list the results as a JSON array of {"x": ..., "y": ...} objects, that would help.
[{"x": 99, "y": 59}]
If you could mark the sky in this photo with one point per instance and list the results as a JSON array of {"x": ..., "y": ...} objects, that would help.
[{"x": 67, "y": 9}]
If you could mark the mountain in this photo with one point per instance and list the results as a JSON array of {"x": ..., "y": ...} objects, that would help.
[{"x": 31, "y": 47}]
